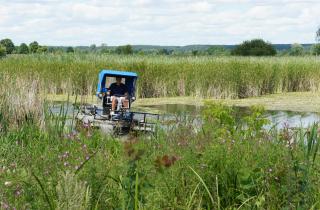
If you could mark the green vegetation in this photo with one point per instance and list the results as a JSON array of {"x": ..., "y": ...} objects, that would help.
[
  {"x": 227, "y": 164},
  {"x": 8, "y": 44},
  {"x": 316, "y": 49},
  {"x": 296, "y": 49},
  {"x": 23, "y": 49},
  {"x": 163, "y": 76},
  {"x": 33, "y": 46},
  {"x": 258, "y": 46},
  {"x": 255, "y": 47},
  {"x": 3, "y": 51},
  {"x": 126, "y": 50}
]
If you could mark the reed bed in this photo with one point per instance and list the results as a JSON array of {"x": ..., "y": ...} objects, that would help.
[
  {"x": 165, "y": 76},
  {"x": 20, "y": 101}
]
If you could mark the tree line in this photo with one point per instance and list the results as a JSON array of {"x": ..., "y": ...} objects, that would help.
[{"x": 254, "y": 47}]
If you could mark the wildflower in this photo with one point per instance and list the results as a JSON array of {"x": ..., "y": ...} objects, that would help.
[
  {"x": 65, "y": 155},
  {"x": 17, "y": 192},
  {"x": 72, "y": 135},
  {"x": 87, "y": 157},
  {"x": 66, "y": 164},
  {"x": 203, "y": 166},
  {"x": 7, "y": 183},
  {"x": 270, "y": 170},
  {"x": 76, "y": 167},
  {"x": 85, "y": 125},
  {"x": 4, "y": 205}
]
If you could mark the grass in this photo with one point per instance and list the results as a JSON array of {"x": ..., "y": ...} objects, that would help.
[
  {"x": 226, "y": 165},
  {"x": 164, "y": 76}
]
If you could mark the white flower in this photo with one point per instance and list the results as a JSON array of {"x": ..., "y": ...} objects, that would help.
[{"x": 7, "y": 183}]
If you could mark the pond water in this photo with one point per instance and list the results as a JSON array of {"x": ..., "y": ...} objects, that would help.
[{"x": 277, "y": 118}]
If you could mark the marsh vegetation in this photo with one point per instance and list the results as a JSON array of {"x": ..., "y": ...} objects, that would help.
[{"x": 226, "y": 164}]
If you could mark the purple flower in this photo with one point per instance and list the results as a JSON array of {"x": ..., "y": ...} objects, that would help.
[
  {"x": 17, "y": 192},
  {"x": 4, "y": 205}
]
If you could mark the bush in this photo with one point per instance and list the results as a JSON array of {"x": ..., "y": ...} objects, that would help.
[
  {"x": 33, "y": 47},
  {"x": 296, "y": 49},
  {"x": 23, "y": 49},
  {"x": 70, "y": 50},
  {"x": 315, "y": 49},
  {"x": 126, "y": 50},
  {"x": 255, "y": 47},
  {"x": 3, "y": 51},
  {"x": 8, "y": 44}
]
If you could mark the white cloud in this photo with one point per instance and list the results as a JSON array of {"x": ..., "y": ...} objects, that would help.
[{"x": 165, "y": 22}]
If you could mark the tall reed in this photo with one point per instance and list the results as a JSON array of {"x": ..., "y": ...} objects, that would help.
[{"x": 205, "y": 76}]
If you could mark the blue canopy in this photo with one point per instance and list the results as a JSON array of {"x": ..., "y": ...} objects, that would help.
[{"x": 130, "y": 80}]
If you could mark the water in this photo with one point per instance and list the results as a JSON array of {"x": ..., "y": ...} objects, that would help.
[{"x": 278, "y": 119}]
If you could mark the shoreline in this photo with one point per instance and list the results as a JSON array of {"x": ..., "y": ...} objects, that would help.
[{"x": 292, "y": 101}]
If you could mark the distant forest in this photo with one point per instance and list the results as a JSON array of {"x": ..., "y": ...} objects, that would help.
[{"x": 254, "y": 47}]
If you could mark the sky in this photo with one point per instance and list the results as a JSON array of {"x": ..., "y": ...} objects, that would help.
[{"x": 158, "y": 22}]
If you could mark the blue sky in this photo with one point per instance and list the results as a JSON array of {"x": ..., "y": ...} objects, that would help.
[{"x": 159, "y": 22}]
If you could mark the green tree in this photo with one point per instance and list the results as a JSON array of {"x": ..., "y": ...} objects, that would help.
[
  {"x": 23, "y": 49},
  {"x": 33, "y": 46},
  {"x": 42, "y": 49},
  {"x": 315, "y": 49},
  {"x": 255, "y": 47},
  {"x": 296, "y": 49},
  {"x": 3, "y": 51},
  {"x": 70, "y": 50},
  {"x": 93, "y": 48},
  {"x": 126, "y": 50},
  {"x": 8, "y": 44}
]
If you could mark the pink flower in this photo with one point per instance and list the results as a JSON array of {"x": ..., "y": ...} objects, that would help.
[{"x": 4, "y": 205}]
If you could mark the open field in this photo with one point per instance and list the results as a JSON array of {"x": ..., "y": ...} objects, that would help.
[{"x": 162, "y": 76}]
